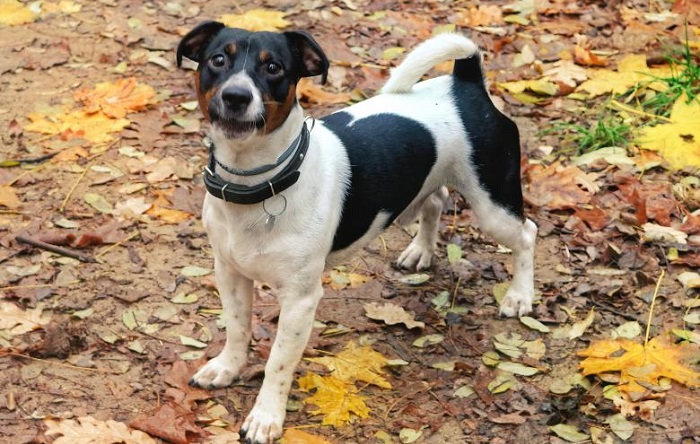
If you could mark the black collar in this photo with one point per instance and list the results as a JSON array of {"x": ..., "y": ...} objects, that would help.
[{"x": 244, "y": 194}]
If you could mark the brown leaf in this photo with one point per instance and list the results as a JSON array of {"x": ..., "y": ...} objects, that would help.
[
  {"x": 171, "y": 422},
  {"x": 559, "y": 187},
  {"x": 179, "y": 376}
]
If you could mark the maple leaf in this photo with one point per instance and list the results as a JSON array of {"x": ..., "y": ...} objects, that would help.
[
  {"x": 334, "y": 397},
  {"x": 160, "y": 211},
  {"x": 88, "y": 430},
  {"x": 116, "y": 99},
  {"x": 356, "y": 364},
  {"x": 679, "y": 140},
  {"x": 639, "y": 364},
  {"x": 631, "y": 70},
  {"x": 14, "y": 13},
  {"x": 559, "y": 187},
  {"x": 169, "y": 421},
  {"x": 77, "y": 124},
  {"x": 256, "y": 20}
]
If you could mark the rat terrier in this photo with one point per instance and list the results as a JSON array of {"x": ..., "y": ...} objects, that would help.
[{"x": 286, "y": 196}]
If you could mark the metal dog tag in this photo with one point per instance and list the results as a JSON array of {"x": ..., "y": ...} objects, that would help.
[{"x": 270, "y": 222}]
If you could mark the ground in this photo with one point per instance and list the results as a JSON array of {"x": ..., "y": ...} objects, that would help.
[{"x": 109, "y": 337}]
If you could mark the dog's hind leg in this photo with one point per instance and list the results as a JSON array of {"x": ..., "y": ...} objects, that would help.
[
  {"x": 419, "y": 253},
  {"x": 518, "y": 234},
  {"x": 236, "y": 293}
]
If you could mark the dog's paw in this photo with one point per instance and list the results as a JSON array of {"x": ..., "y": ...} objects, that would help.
[
  {"x": 415, "y": 256},
  {"x": 218, "y": 372},
  {"x": 516, "y": 303},
  {"x": 263, "y": 424}
]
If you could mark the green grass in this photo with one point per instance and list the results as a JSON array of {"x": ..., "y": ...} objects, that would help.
[
  {"x": 600, "y": 132},
  {"x": 685, "y": 80}
]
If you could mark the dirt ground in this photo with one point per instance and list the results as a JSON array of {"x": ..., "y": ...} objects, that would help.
[{"x": 113, "y": 336}]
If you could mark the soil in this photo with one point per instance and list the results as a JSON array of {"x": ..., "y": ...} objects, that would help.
[{"x": 92, "y": 364}]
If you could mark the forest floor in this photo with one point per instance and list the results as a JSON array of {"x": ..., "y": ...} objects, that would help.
[{"x": 115, "y": 332}]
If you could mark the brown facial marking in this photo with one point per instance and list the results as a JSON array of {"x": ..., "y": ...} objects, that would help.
[
  {"x": 203, "y": 97},
  {"x": 231, "y": 48},
  {"x": 276, "y": 112},
  {"x": 264, "y": 56}
]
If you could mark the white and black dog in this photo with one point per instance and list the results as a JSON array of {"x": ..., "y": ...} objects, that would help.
[{"x": 287, "y": 196}]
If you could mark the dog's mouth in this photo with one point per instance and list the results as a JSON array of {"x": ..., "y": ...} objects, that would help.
[{"x": 237, "y": 129}]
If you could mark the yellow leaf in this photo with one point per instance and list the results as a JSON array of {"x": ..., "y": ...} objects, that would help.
[
  {"x": 296, "y": 436},
  {"x": 167, "y": 215},
  {"x": 8, "y": 197},
  {"x": 14, "y": 13},
  {"x": 335, "y": 399},
  {"x": 116, "y": 99},
  {"x": 76, "y": 124},
  {"x": 639, "y": 363},
  {"x": 632, "y": 70},
  {"x": 338, "y": 279},
  {"x": 256, "y": 20},
  {"x": 356, "y": 364},
  {"x": 679, "y": 140},
  {"x": 542, "y": 86}
]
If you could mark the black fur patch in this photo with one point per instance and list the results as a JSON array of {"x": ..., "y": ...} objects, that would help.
[
  {"x": 390, "y": 158},
  {"x": 494, "y": 137}
]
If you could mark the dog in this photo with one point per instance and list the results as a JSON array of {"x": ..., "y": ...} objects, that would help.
[{"x": 287, "y": 195}]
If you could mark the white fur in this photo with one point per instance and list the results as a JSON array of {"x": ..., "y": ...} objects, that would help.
[
  {"x": 422, "y": 58},
  {"x": 292, "y": 256}
]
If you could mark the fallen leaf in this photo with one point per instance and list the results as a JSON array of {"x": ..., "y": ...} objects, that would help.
[
  {"x": 678, "y": 141},
  {"x": 569, "y": 433},
  {"x": 99, "y": 202},
  {"x": 13, "y": 13},
  {"x": 171, "y": 422},
  {"x": 415, "y": 279},
  {"x": 335, "y": 398},
  {"x": 311, "y": 92},
  {"x": 425, "y": 341},
  {"x": 620, "y": 426},
  {"x": 296, "y": 436},
  {"x": 639, "y": 363},
  {"x": 88, "y": 430},
  {"x": 580, "y": 327},
  {"x": 356, "y": 364},
  {"x": 256, "y": 20},
  {"x": 391, "y": 314},
  {"x": 631, "y": 71},
  {"x": 116, "y": 99},
  {"x": 658, "y": 233},
  {"x": 8, "y": 197},
  {"x": 559, "y": 187},
  {"x": 517, "y": 368},
  {"x": 408, "y": 436},
  {"x": 16, "y": 321},
  {"x": 534, "y": 324},
  {"x": 339, "y": 279}
]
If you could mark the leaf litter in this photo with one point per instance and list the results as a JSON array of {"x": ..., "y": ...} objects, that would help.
[{"x": 109, "y": 136}]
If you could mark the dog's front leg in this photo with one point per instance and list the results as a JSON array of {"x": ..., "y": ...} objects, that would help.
[
  {"x": 236, "y": 293},
  {"x": 298, "y": 304}
]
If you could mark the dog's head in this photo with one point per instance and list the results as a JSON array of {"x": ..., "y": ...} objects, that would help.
[{"x": 246, "y": 81}]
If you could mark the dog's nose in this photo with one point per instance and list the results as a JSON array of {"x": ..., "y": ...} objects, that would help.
[{"x": 237, "y": 98}]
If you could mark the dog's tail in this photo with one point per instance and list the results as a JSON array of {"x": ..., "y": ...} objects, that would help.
[{"x": 441, "y": 48}]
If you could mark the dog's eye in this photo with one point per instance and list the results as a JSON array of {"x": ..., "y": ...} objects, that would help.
[
  {"x": 273, "y": 68},
  {"x": 217, "y": 61}
]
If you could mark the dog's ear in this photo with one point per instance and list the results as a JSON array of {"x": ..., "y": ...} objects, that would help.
[
  {"x": 313, "y": 59},
  {"x": 194, "y": 43}
]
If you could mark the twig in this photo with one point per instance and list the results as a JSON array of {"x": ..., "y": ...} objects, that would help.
[
  {"x": 75, "y": 185},
  {"x": 60, "y": 364},
  {"x": 35, "y": 286},
  {"x": 113, "y": 246},
  {"x": 629, "y": 109},
  {"x": 653, "y": 303},
  {"x": 55, "y": 249}
]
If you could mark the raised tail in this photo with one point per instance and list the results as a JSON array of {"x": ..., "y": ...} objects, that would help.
[{"x": 441, "y": 48}]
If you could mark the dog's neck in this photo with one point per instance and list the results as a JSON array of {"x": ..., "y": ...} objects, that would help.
[{"x": 257, "y": 150}]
